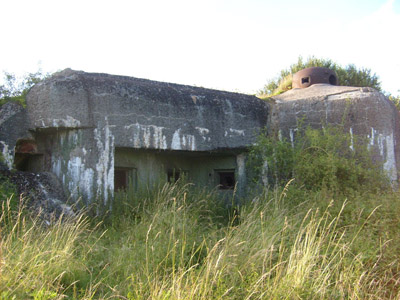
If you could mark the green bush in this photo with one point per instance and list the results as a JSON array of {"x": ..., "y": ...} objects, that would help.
[{"x": 317, "y": 159}]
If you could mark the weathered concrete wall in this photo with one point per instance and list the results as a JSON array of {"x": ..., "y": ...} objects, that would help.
[
  {"x": 83, "y": 160},
  {"x": 80, "y": 118},
  {"x": 362, "y": 111},
  {"x": 145, "y": 114},
  {"x": 13, "y": 126}
]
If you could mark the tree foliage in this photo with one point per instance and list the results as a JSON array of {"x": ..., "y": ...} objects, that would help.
[
  {"x": 395, "y": 100},
  {"x": 16, "y": 89},
  {"x": 348, "y": 76}
]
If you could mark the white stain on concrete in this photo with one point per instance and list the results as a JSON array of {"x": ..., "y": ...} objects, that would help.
[
  {"x": 164, "y": 142},
  {"x": 72, "y": 169},
  {"x": 241, "y": 171},
  {"x": 238, "y": 132},
  {"x": 351, "y": 139},
  {"x": 176, "y": 140},
  {"x": 372, "y": 137},
  {"x": 81, "y": 178},
  {"x": 69, "y": 122},
  {"x": 56, "y": 167},
  {"x": 7, "y": 155},
  {"x": 147, "y": 136},
  {"x": 136, "y": 137},
  {"x": 159, "y": 140},
  {"x": 390, "y": 163},
  {"x": 386, "y": 147},
  {"x": 105, "y": 164},
  {"x": 203, "y": 132},
  {"x": 183, "y": 141},
  {"x": 291, "y": 135},
  {"x": 231, "y": 132},
  {"x": 188, "y": 142}
]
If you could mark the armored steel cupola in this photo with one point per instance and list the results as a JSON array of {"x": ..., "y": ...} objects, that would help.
[{"x": 310, "y": 76}]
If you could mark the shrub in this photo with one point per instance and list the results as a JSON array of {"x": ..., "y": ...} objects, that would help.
[{"x": 326, "y": 158}]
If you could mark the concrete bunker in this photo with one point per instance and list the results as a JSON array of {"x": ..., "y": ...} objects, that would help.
[{"x": 100, "y": 133}]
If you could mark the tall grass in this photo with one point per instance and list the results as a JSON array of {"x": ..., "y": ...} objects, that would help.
[
  {"x": 38, "y": 261},
  {"x": 179, "y": 243}
]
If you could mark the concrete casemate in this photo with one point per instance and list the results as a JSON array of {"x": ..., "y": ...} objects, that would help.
[{"x": 98, "y": 132}]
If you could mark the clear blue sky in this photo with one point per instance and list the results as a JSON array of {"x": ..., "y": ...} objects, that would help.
[{"x": 232, "y": 45}]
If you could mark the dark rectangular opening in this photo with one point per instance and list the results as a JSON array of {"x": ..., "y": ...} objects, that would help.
[
  {"x": 226, "y": 179},
  {"x": 305, "y": 80},
  {"x": 120, "y": 179},
  {"x": 173, "y": 175},
  {"x": 124, "y": 178},
  {"x": 30, "y": 162}
]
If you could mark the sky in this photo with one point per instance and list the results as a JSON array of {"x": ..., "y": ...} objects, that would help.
[{"x": 234, "y": 45}]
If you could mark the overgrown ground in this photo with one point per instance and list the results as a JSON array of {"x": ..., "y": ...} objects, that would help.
[
  {"x": 331, "y": 236},
  {"x": 178, "y": 244}
]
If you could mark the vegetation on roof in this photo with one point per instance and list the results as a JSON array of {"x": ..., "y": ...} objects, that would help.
[{"x": 349, "y": 75}]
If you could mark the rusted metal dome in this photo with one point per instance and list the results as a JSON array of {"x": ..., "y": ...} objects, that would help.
[{"x": 310, "y": 76}]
